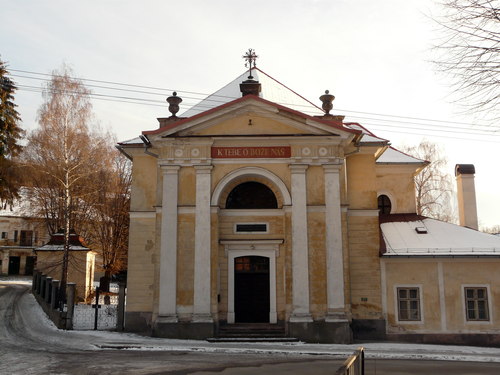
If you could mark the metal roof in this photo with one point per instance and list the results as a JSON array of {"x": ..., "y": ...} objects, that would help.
[
  {"x": 272, "y": 90},
  {"x": 436, "y": 238},
  {"x": 393, "y": 156}
]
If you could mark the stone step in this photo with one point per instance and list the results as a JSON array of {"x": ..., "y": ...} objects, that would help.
[
  {"x": 253, "y": 339},
  {"x": 252, "y": 334}
]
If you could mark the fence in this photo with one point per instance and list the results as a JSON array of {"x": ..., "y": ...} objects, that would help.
[
  {"x": 99, "y": 310},
  {"x": 354, "y": 365},
  {"x": 84, "y": 308}
]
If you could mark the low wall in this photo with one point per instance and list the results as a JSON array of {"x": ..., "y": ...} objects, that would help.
[{"x": 46, "y": 293}]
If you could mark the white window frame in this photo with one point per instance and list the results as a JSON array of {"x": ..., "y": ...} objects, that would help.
[
  {"x": 420, "y": 303},
  {"x": 251, "y": 232},
  {"x": 490, "y": 303}
]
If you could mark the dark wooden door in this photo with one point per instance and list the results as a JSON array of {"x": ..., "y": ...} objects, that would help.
[
  {"x": 30, "y": 266},
  {"x": 251, "y": 289},
  {"x": 14, "y": 265}
]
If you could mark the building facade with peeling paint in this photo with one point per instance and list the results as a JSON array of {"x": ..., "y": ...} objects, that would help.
[{"x": 257, "y": 210}]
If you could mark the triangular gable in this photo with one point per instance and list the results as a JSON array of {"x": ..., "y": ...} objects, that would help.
[{"x": 250, "y": 104}]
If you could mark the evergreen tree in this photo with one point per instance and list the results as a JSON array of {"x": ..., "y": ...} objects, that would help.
[{"x": 10, "y": 134}]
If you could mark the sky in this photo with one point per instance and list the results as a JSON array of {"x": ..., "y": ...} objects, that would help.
[{"x": 373, "y": 55}]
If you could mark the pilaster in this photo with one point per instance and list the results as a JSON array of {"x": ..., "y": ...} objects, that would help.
[
  {"x": 300, "y": 259},
  {"x": 334, "y": 254},
  {"x": 168, "y": 258},
  {"x": 202, "y": 264}
]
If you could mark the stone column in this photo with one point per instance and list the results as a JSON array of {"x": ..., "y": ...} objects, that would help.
[
  {"x": 55, "y": 291},
  {"x": 35, "y": 279},
  {"x": 71, "y": 305},
  {"x": 334, "y": 253},
  {"x": 168, "y": 258},
  {"x": 48, "y": 289},
  {"x": 121, "y": 307},
  {"x": 42, "y": 286},
  {"x": 202, "y": 246},
  {"x": 300, "y": 259}
]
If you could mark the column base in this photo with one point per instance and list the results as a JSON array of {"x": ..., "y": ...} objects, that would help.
[
  {"x": 301, "y": 318},
  {"x": 167, "y": 319},
  {"x": 322, "y": 332},
  {"x": 202, "y": 318},
  {"x": 336, "y": 317}
]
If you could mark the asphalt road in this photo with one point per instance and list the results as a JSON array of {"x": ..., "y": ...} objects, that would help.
[{"x": 27, "y": 347}]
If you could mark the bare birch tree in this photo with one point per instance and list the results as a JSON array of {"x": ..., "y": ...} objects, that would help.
[
  {"x": 469, "y": 54},
  {"x": 434, "y": 192},
  {"x": 109, "y": 226},
  {"x": 65, "y": 154}
]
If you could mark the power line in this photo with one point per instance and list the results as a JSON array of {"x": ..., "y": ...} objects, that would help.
[
  {"x": 470, "y": 130},
  {"x": 209, "y": 97}
]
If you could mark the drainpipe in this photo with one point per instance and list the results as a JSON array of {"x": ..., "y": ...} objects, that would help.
[
  {"x": 147, "y": 144},
  {"x": 358, "y": 145},
  {"x": 352, "y": 153},
  {"x": 120, "y": 148}
]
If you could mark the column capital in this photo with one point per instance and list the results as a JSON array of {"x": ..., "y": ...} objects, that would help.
[
  {"x": 332, "y": 168},
  {"x": 298, "y": 168},
  {"x": 201, "y": 169},
  {"x": 170, "y": 169}
]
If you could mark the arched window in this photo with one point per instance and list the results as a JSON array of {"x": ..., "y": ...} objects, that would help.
[
  {"x": 384, "y": 204},
  {"x": 251, "y": 195}
]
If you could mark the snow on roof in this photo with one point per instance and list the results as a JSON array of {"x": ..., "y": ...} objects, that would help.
[
  {"x": 393, "y": 156},
  {"x": 436, "y": 238},
  {"x": 20, "y": 207},
  {"x": 272, "y": 91},
  {"x": 133, "y": 141},
  {"x": 368, "y": 136}
]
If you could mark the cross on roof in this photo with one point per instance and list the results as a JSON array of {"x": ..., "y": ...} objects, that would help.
[{"x": 250, "y": 58}]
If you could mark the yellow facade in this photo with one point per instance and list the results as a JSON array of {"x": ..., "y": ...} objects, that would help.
[
  {"x": 316, "y": 249},
  {"x": 441, "y": 282}
]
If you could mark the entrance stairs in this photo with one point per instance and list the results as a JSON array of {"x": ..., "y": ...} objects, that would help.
[{"x": 252, "y": 332}]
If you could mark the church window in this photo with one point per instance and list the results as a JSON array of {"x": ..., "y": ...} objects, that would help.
[
  {"x": 476, "y": 303},
  {"x": 409, "y": 304},
  {"x": 251, "y": 195},
  {"x": 384, "y": 204}
]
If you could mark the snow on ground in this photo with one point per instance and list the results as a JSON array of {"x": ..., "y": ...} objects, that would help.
[
  {"x": 16, "y": 279},
  {"x": 43, "y": 330}
]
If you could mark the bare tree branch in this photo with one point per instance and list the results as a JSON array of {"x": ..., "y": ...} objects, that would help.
[
  {"x": 435, "y": 195},
  {"x": 469, "y": 53}
]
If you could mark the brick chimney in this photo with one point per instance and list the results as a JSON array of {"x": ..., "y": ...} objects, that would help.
[{"x": 467, "y": 208}]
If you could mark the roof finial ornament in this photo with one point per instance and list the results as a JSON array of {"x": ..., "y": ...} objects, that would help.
[
  {"x": 250, "y": 58},
  {"x": 327, "y": 100},
  {"x": 174, "y": 102}
]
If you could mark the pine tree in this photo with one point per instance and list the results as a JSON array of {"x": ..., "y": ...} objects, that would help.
[{"x": 10, "y": 134}]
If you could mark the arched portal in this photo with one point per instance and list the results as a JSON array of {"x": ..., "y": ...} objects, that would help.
[
  {"x": 231, "y": 180},
  {"x": 251, "y": 195}
]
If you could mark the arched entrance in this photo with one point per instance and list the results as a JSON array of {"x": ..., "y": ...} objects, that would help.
[
  {"x": 245, "y": 198},
  {"x": 251, "y": 289}
]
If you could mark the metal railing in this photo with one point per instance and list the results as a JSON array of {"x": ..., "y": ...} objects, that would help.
[{"x": 354, "y": 365}]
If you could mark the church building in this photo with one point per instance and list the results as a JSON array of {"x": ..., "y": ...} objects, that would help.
[{"x": 259, "y": 208}]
